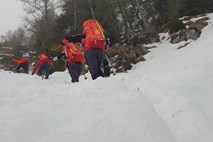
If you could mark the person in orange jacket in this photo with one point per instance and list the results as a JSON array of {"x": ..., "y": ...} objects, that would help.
[
  {"x": 43, "y": 66},
  {"x": 22, "y": 64},
  {"x": 74, "y": 59}
]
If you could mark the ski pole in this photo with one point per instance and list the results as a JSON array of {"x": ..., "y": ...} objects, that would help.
[{"x": 85, "y": 77}]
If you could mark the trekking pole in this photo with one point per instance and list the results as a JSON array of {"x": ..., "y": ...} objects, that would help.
[{"x": 85, "y": 76}]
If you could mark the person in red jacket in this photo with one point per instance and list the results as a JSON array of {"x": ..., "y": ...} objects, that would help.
[
  {"x": 74, "y": 59},
  {"x": 22, "y": 64},
  {"x": 43, "y": 66}
]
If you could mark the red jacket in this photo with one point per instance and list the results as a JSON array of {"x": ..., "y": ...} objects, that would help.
[
  {"x": 93, "y": 43},
  {"x": 73, "y": 53},
  {"x": 23, "y": 60},
  {"x": 41, "y": 60}
]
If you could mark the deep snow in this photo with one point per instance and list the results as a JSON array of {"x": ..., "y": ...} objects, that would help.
[{"x": 167, "y": 98}]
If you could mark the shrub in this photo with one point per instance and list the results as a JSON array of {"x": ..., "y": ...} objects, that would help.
[{"x": 175, "y": 25}]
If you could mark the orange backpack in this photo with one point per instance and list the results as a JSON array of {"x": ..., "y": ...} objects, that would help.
[
  {"x": 73, "y": 53},
  {"x": 94, "y": 34}
]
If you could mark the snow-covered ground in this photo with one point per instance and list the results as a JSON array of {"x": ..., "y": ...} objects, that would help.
[{"x": 168, "y": 98}]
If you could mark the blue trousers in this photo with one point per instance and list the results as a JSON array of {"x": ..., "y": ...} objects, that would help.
[
  {"x": 94, "y": 58},
  {"x": 75, "y": 71}
]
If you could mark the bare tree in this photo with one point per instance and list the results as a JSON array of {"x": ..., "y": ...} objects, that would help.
[{"x": 40, "y": 18}]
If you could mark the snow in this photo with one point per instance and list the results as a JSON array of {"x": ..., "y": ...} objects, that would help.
[
  {"x": 167, "y": 98},
  {"x": 50, "y": 111},
  {"x": 7, "y": 48},
  {"x": 3, "y": 54}
]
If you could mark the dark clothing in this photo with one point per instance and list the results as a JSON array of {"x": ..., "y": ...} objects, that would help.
[
  {"x": 76, "y": 38},
  {"x": 94, "y": 58},
  {"x": 44, "y": 69},
  {"x": 62, "y": 55},
  {"x": 23, "y": 66},
  {"x": 106, "y": 68},
  {"x": 75, "y": 71}
]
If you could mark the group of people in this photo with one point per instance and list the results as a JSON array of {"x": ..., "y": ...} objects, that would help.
[
  {"x": 42, "y": 66},
  {"x": 94, "y": 45}
]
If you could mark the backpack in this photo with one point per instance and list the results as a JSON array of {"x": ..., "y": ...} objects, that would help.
[
  {"x": 73, "y": 53},
  {"x": 94, "y": 34}
]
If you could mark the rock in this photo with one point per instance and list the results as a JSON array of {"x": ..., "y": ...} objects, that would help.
[
  {"x": 122, "y": 57},
  {"x": 192, "y": 32}
]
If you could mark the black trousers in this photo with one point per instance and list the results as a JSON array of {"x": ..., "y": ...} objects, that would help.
[
  {"x": 75, "y": 71},
  {"x": 44, "y": 69},
  {"x": 23, "y": 66},
  {"x": 94, "y": 58}
]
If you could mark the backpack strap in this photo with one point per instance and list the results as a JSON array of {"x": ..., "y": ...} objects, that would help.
[
  {"x": 74, "y": 53},
  {"x": 99, "y": 27}
]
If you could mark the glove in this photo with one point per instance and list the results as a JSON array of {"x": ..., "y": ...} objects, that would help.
[{"x": 55, "y": 58}]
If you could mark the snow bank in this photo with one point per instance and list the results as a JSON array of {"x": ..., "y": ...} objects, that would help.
[{"x": 179, "y": 84}]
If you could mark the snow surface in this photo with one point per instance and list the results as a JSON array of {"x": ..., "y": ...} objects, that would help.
[{"x": 168, "y": 98}]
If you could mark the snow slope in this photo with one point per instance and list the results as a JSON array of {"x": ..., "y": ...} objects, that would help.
[
  {"x": 168, "y": 98},
  {"x": 104, "y": 110},
  {"x": 179, "y": 84}
]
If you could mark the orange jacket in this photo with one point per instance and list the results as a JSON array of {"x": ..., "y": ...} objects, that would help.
[
  {"x": 41, "y": 60},
  {"x": 94, "y": 33},
  {"x": 73, "y": 53}
]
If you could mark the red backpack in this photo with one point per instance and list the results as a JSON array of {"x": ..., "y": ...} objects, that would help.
[
  {"x": 94, "y": 34},
  {"x": 73, "y": 53}
]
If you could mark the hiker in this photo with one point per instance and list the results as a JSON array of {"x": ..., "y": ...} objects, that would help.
[
  {"x": 74, "y": 59},
  {"x": 23, "y": 63},
  {"x": 94, "y": 44},
  {"x": 43, "y": 66}
]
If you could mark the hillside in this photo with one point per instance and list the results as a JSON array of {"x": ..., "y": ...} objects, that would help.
[{"x": 167, "y": 98}]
